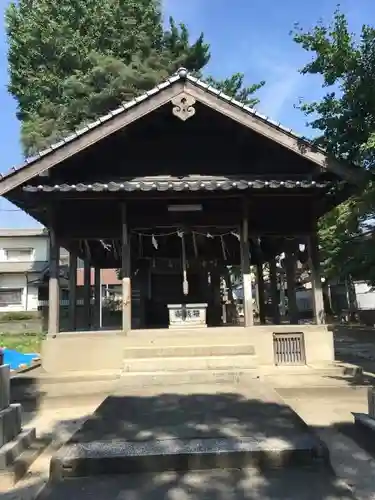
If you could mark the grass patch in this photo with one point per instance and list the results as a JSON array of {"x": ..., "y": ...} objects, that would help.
[
  {"x": 22, "y": 342},
  {"x": 9, "y": 317}
]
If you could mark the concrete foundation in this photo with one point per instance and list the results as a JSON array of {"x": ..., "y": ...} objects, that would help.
[
  {"x": 318, "y": 340},
  {"x": 87, "y": 352},
  {"x": 246, "y": 347}
]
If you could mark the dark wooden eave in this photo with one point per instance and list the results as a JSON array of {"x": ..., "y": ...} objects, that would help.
[{"x": 158, "y": 97}]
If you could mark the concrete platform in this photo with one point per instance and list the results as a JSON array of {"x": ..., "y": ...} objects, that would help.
[
  {"x": 62, "y": 353},
  {"x": 191, "y": 428},
  {"x": 219, "y": 484}
]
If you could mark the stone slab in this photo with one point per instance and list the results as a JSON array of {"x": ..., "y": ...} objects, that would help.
[
  {"x": 10, "y": 423},
  {"x": 189, "y": 363},
  {"x": 188, "y": 350},
  {"x": 185, "y": 427},
  {"x": 10, "y": 451},
  {"x": 365, "y": 421},
  {"x": 188, "y": 377},
  {"x": 124, "y": 457},
  {"x": 219, "y": 484},
  {"x": 4, "y": 386}
]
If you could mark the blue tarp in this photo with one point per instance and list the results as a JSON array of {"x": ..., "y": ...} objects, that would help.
[{"x": 15, "y": 358}]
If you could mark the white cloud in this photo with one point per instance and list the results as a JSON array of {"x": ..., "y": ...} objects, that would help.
[
  {"x": 279, "y": 91},
  {"x": 283, "y": 81}
]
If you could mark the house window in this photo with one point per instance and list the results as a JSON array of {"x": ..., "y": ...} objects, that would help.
[
  {"x": 19, "y": 254},
  {"x": 10, "y": 296}
]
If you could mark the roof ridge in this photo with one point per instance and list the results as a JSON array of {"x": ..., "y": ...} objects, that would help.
[{"x": 181, "y": 74}]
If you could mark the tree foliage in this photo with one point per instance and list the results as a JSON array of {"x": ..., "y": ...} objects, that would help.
[
  {"x": 73, "y": 61},
  {"x": 344, "y": 120},
  {"x": 234, "y": 87}
]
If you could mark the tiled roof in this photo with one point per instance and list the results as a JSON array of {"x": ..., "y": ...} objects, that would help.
[
  {"x": 182, "y": 74},
  {"x": 178, "y": 185}
]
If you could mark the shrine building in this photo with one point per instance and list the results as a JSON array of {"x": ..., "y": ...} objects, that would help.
[{"x": 176, "y": 189}]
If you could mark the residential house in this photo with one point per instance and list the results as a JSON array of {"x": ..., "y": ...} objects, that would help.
[{"x": 24, "y": 271}]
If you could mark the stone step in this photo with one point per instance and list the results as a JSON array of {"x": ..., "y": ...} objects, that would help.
[
  {"x": 183, "y": 377},
  {"x": 124, "y": 457},
  {"x": 21, "y": 464},
  {"x": 190, "y": 363},
  {"x": 156, "y": 351},
  {"x": 13, "y": 449}
]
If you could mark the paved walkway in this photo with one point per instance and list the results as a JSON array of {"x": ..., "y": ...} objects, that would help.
[
  {"x": 60, "y": 419},
  {"x": 356, "y": 345},
  {"x": 205, "y": 411},
  {"x": 327, "y": 408}
]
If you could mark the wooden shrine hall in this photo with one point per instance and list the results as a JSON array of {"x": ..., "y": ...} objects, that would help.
[{"x": 173, "y": 189}]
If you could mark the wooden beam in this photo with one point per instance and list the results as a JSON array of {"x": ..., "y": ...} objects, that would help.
[
  {"x": 72, "y": 291},
  {"x": 54, "y": 283},
  {"x": 245, "y": 265},
  {"x": 290, "y": 268},
  {"x": 316, "y": 279},
  {"x": 87, "y": 293},
  {"x": 274, "y": 292},
  {"x": 98, "y": 298},
  {"x": 261, "y": 295},
  {"x": 125, "y": 273}
]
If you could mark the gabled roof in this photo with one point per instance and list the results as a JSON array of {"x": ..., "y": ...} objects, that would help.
[{"x": 131, "y": 111}]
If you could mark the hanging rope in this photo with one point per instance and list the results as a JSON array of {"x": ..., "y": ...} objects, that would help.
[
  {"x": 223, "y": 248},
  {"x": 195, "y": 245},
  {"x": 185, "y": 283}
]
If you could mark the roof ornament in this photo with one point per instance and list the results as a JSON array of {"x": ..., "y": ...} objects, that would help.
[
  {"x": 183, "y": 106},
  {"x": 182, "y": 72}
]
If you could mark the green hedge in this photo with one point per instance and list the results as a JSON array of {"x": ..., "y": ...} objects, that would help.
[{"x": 6, "y": 317}]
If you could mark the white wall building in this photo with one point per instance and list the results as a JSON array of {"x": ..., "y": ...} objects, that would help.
[
  {"x": 23, "y": 262},
  {"x": 23, "y": 259}
]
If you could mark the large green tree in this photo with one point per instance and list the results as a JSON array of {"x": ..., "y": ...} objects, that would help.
[
  {"x": 72, "y": 61},
  {"x": 344, "y": 123}
]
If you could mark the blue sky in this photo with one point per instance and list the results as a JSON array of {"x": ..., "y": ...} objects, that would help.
[{"x": 248, "y": 36}]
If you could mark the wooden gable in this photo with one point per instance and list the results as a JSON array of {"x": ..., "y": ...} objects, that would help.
[{"x": 181, "y": 86}]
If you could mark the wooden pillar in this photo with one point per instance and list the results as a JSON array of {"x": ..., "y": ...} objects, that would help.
[
  {"x": 216, "y": 296},
  {"x": 98, "y": 298},
  {"x": 54, "y": 284},
  {"x": 274, "y": 292},
  {"x": 125, "y": 273},
  {"x": 261, "y": 294},
  {"x": 87, "y": 293},
  {"x": 72, "y": 291},
  {"x": 290, "y": 268},
  {"x": 246, "y": 272},
  {"x": 316, "y": 280}
]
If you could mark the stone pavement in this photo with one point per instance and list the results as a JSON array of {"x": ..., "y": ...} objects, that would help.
[
  {"x": 199, "y": 411},
  {"x": 58, "y": 419},
  {"x": 355, "y": 345},
  {"x": 222, "y": 484},
  {"x": 327, "y": 409}
]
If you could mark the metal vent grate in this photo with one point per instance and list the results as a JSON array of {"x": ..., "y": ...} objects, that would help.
[{"x": 289, "y": 348}]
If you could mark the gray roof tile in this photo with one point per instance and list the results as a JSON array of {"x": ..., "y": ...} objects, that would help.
[{"x": 181, "y": 74}]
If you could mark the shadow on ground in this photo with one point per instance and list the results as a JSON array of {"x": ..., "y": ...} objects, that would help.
[{"x": 165, "y": 416}]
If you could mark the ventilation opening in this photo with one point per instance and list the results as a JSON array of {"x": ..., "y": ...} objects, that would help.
[{"x": 289, "y": 348}]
